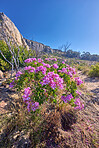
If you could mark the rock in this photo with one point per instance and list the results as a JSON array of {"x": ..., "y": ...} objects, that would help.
[
  {"x": 1, "y": 75},
  {"x": 47, "y": 49},
  {"x": 35, "y": 45},
  {"x": 20, "y": 140},
  {"x": 9, "y": 31}
]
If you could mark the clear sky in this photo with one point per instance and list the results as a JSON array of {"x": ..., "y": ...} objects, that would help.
[{"x": 55, "y": 22}]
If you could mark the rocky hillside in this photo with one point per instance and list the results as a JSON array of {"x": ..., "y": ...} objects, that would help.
[
  {"x": 8, "y": 31},
  {"x": 38, "y": 46}
]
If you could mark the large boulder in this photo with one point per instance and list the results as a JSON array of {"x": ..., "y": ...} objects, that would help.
[{"x": 8, "y": 31}]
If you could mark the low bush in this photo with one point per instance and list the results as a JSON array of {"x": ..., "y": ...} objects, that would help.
[
  {"x": 5, "y": 50},
  {"x": 41, "y": 81},
  {"x": 94, "y": 72},
  {"x": 12, "y": 55}
]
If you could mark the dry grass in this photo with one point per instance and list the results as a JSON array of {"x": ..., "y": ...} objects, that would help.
[{"x": 51, "y": 127}]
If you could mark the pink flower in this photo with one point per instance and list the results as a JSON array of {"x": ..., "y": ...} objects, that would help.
[
  {"x": 53, "y": 80},
  {"x": 69, "y": 73},
  {"x": 40, "y": 60},
  {"x": 59, "y": 71},
  {"x": 42, "y": 69},
  {"x": 33, "y": 59},
  {"x": 26, "y": 98},
  {"x": 55, "y": 59},
  {"x": 64, "y": 70},
  {"x": 55, "y": 66},
  {"x": 34, "y": 106},
  {"x": 26, "y": 92},
  {"x": 79, "y": 93},
  {"x": 67, "y": 98},
  {"x": 79, "y": 104},
  {"x": 29, "y": 68},
  {"x": 46, "y": 65},
  {"x": 30, "y": 60},
  {"x": 18, "y": 74},
  {"x": 28, "y": 106},
  {"x": 11, "y": 84},
  {"x": 78, "y": 80},
  {"x": 64, "y": 99},
  {"x": 63, "y": 62}
]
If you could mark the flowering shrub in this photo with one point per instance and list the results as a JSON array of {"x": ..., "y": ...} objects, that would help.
[{"x": 41, "y": 81}]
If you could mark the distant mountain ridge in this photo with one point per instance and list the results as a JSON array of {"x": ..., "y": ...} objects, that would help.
[{"x": 8, "y": 31}]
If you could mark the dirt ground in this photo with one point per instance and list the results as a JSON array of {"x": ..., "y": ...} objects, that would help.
[{"x": 91, "y": 84}]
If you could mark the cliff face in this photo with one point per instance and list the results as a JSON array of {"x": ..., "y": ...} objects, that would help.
[
  {"x": 34, "y": 45},
  {"x": 8, "y": 31},
  {"x": 38, "y": 46}
]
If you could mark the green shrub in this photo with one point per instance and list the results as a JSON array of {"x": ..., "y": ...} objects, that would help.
[
  {"x": 5, "y": 50},
  {"x": 20, "y": 54},
  {"x": 94, "y": 72}
]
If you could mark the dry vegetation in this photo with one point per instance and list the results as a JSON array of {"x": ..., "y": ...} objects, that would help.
[{"x": 52, "y": 126}]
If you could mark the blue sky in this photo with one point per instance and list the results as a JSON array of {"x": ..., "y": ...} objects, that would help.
[{"x": 56, "y": 22}]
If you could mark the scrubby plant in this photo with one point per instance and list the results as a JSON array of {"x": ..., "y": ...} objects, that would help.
[
  {"x": 42, "y": 79},
  {"x": 94, "y": 72},
  {"x": 13, "y": 56},
  {"x": 4, "y": 65}
]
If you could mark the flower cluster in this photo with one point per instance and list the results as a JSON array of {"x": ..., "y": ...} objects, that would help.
[
  {"x": 46, "y": 65},
  {"x": 16, "y": 78},
  {"x": 34, "y": 106},
  {"x": 42, "y": 69},
  {"x": 68, "y": 70},
  {"x": 26, "y": 94},
  {"x": 55, "y": 66},
  {"x": 79, "y": 93},
  {"x": 11, "y": 84},
  {"x": 30, "y": 60},
  {"x": 63, "y": 62},
  {"x": 78, "y": 80},
  {"x": 29, "y": 69},
  {"x": 78, "y": 104},
  {"x": 26, "y": 98},
  {"x": 53, "y": 80},
  {"x": 40, "y": 60},
  {"x": 67, "y": 98},
  {"x": 18, "y": 74}
]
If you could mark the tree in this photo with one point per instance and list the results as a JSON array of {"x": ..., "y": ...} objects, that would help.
[{"x": 65, "y": 47}]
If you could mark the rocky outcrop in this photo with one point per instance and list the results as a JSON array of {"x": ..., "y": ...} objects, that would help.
[
  {"x": 48, "y": 50},
  {"x": 38, "y": 46},
  {"x": 34, "y": 45},
  {"x": 8, "y": 31}
]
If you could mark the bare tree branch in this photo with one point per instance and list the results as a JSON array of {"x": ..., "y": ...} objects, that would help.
[{"x": 5, "y": 58}]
